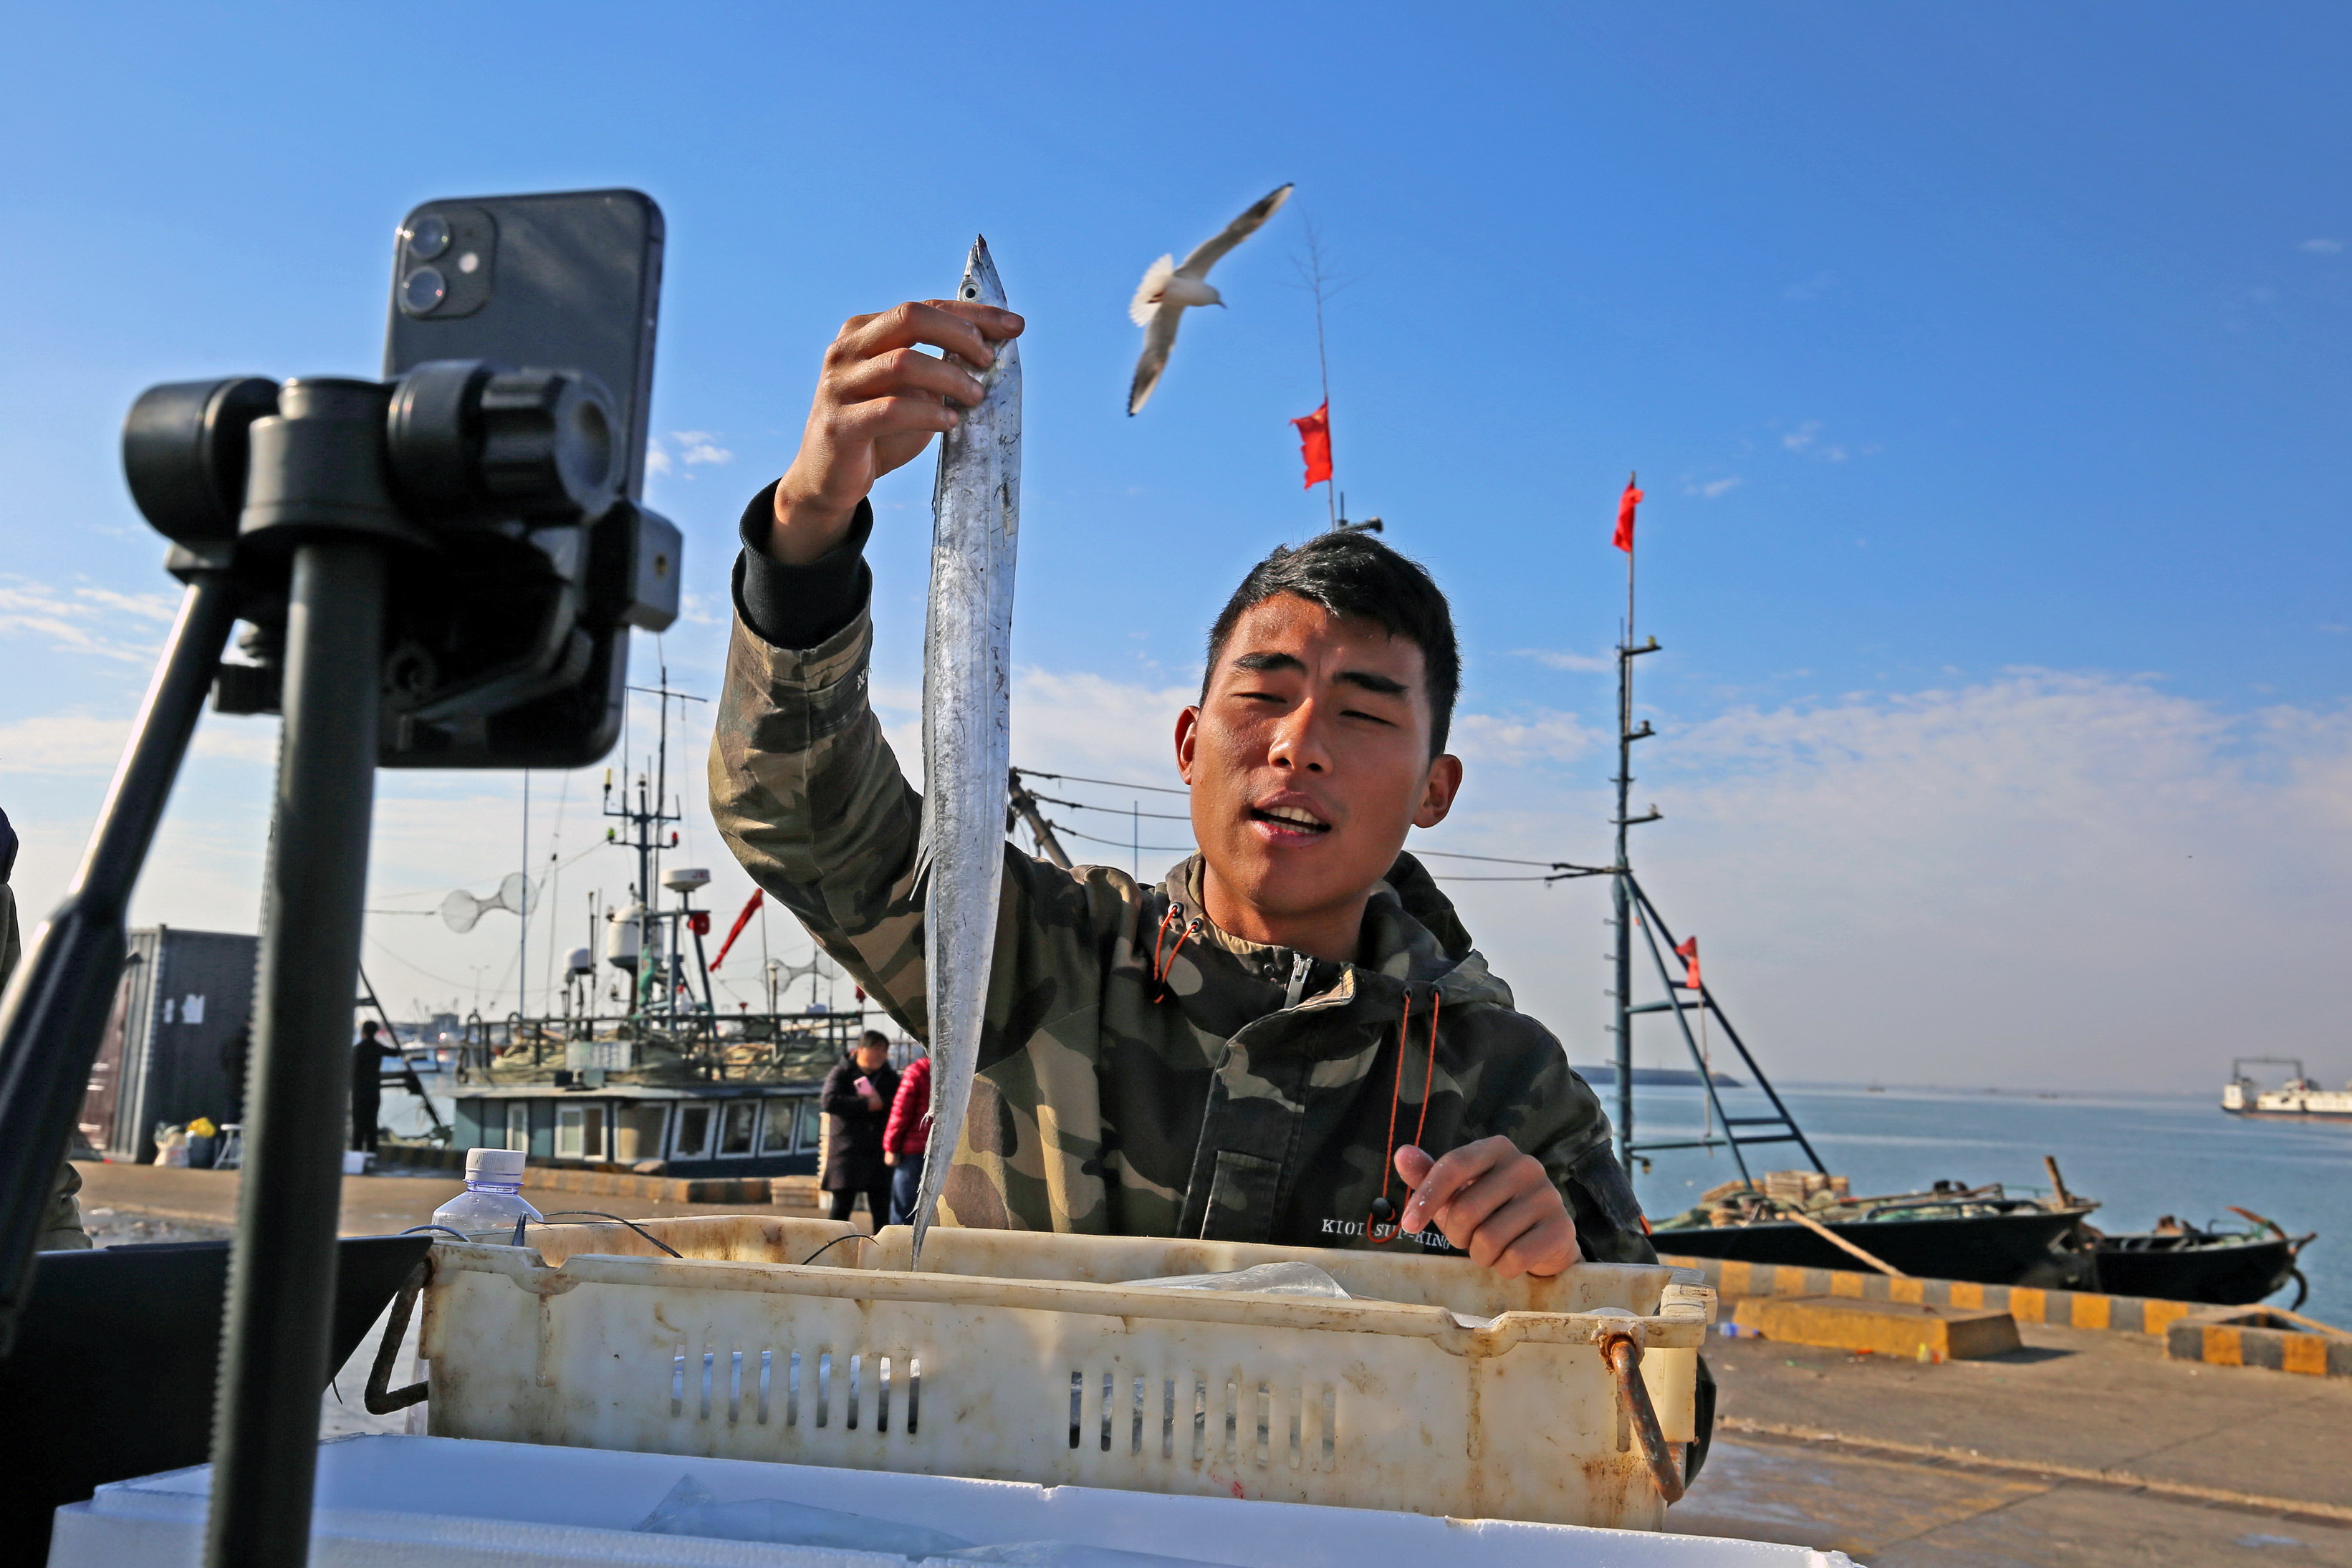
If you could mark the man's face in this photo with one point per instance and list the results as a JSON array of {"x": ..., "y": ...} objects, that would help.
[
  {"x": 871, "y": 1056},
  {"x": 1309, "y": 759}
]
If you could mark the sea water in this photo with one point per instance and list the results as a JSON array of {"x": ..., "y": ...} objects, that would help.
[{"x": 2141, "y": 1156}]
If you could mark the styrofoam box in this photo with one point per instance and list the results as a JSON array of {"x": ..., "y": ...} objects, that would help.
[
  {"x": 1023, "y": 1356},
  {"x": 458, "y": 1504}
]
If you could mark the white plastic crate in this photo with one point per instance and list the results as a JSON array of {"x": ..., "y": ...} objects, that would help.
[
  {"x": 1019, "y": 1356},
  {"x": 384, "y": 1501}
]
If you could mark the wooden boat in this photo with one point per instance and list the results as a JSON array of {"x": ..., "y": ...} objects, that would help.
[
  {"x": 2181, "y": 1262},
  {"x": 1952, "y": 1232}
]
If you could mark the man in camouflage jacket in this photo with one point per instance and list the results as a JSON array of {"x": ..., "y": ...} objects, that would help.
[{"x": 1143, "y": 1070}]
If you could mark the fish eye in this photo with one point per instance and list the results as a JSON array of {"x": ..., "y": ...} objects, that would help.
[{"x": 972, "y": 291}]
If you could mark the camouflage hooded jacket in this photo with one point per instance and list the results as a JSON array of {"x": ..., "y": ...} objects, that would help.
[{"x": 1253, "y": 1098}]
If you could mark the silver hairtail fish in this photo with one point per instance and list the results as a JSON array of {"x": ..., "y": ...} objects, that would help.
[{"x": 967, "y": 726}]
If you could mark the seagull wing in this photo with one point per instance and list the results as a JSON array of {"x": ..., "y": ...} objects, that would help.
[
  {"x": 1156, "y": 344},
  {"x": 1147, "y": 292},
  {"x": 1211, "y": 252}
]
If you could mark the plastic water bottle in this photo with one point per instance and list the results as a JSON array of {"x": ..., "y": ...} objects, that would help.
[{"x": 487, "y": 1210}]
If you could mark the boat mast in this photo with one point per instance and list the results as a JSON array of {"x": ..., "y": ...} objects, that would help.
[
  {"x": 646, "y": 819},
  {"x": 1621, "y": 982},
  {"x": 1634, "y": 909}
]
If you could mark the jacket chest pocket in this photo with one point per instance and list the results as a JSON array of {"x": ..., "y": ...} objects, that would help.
[{"x": 1242, "y": 1196}]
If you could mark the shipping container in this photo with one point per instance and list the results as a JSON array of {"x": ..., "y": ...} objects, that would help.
[{"x": 176, "y": 1043}]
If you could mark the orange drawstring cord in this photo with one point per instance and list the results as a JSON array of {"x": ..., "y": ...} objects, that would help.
[
  {"x": 1160, "y": 971},
  {"x": 1396, "y": 1096}
]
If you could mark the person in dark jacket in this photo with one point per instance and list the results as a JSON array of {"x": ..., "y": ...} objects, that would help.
[
  {"x": 368, "y": 1054},
  {"x": 907, "y": 1136},
  {"x": 856, "y": 1101}
]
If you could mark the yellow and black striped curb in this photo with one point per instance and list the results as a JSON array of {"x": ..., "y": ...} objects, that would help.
[
  {"x": 2187, "y": 1327},
  {"x": 2209, "y": 1337},
  {"x": 2066, "y": 1309}
]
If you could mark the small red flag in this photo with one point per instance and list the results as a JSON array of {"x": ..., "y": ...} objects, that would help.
[
  {"x": 1314, "y": 446},
  {"x": 735, "y": 930},
  {"x": 1625, "y": 505},
  {"x": 1688, "y": 952}
]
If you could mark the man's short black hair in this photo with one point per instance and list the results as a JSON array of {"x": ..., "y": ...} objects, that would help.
[
  {"x": 368, "y": 1025},
  {"x": 875, "y": 1037},
  {"x": 1352, "y": 574}
]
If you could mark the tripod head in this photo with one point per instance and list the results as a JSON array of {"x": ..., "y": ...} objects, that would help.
[{"x": 516, "y": 564}]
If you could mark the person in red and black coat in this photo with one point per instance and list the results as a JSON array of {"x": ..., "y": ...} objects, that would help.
[
  {"x": 856, "y": 1099},
  {"x": 906, "y": 1138}
]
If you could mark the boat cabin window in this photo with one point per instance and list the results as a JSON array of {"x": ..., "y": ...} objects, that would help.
[
  {"x": 579, "y": 1133},
  {"x": 638, "y": 1132},
  {"x": 737, "y": 1128},
  {"x": 694, "y": 1127},
  {"x": 519, "y": 1126},
  {"x": 811, "y": 1130},
  {"x": 776, "y": 1128}
]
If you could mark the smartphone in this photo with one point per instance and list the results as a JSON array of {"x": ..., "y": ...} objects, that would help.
[
  {"x": 570, "y": 280},
  {"x": 511, "y": 649}
]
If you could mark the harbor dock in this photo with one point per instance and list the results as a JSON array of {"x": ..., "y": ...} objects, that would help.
[{"x": 2081, "y": 1449}]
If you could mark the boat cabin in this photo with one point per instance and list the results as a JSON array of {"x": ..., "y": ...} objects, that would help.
[{"x": 708, "y": 1130}]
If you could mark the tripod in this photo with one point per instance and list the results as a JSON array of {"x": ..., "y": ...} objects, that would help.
[{"x": 342, "y": 518}]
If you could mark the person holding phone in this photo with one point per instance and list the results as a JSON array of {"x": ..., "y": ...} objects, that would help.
[{"x": 856, "y": 1100}]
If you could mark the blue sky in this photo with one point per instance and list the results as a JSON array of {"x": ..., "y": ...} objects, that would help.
[{"x": 1984, "y": 367}]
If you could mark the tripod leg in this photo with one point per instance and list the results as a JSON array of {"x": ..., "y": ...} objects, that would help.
[
  {"x": 57, "y": 1008},
  {"x": 282, "y": 1273}
]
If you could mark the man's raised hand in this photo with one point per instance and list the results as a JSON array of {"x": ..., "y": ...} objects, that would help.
[
  {"x": 879, "y": 400},
  {"x": 1493, "y": 1202}
]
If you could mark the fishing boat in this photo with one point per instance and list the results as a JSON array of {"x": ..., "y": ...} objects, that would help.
[
  {"x": 2299, "y": 1099},
  {"x": 2177, "y": 1261},
  {"x": 1951, "y": 1231}
]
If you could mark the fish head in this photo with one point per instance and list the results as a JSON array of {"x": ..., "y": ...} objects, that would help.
[{"x": 981, "y": 284}]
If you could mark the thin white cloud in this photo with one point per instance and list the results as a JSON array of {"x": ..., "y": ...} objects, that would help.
[
  {"x": 98, "y": 622},
  {"x": 1562, "y": 659},
  {"x": 1715, "y": 489},
  {"x": 1806, "y": 441},
  {"x": 1496, "y": 741},
  {"x": 700, "y": 448},
  {"x": 2321, "y": 246},
  {"x": 74, "y": 743},
  {"x": 683, "y": 449},
  {"x": 1812, "y": 287},
  {"x": 61, "y": 743}
]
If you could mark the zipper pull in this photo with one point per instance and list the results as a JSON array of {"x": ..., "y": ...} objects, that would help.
[{"x": 1301, "y": 966}]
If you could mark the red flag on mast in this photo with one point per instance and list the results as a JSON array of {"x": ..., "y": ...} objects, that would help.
[
  {"x": 1688, "y": 952},
  {"x": 1625, "y": 505},
  {"x": 1315, "y": 444},
  {"x": 735, "y": 930}
]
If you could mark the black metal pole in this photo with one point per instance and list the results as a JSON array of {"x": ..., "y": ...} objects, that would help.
[
  {"x": 1622, "y": 970},
  {"x": 56, "y": 1009},
  {"x": 282, "y": 1275}
]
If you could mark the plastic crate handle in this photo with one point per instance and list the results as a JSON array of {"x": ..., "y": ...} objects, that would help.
[{"x": 1622, "y": 1352}]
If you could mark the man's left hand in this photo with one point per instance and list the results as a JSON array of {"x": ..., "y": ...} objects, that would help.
[{"x": 1493, "y": 1202}]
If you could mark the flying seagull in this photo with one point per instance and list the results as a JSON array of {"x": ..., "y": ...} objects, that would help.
[{"x": 1167, "y": 288}]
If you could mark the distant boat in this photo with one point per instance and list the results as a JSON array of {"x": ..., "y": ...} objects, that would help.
[
  {"x": 2180, "y": 1262},
  {"x": 1658, "y": 1077},
  {"x": 1953, "y": 1232},
  {"x": 2299, "y": 1099}
]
